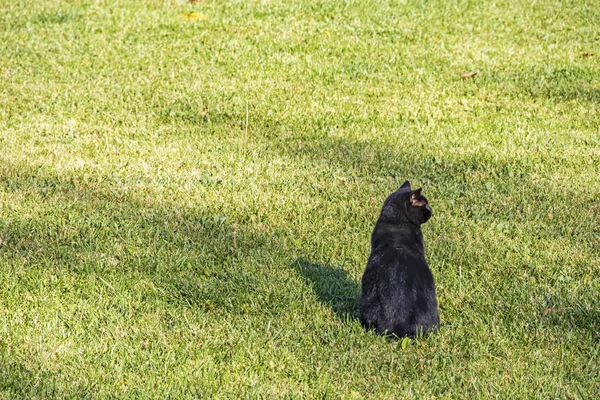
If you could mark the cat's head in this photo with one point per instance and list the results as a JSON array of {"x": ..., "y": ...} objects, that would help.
[{"x": 406, "y": 205}]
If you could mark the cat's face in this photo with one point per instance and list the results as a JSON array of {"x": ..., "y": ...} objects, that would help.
[{"x": 408, "y": 204}]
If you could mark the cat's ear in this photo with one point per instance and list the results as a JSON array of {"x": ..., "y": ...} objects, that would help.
[
  {"x": 416, "y": 199},
  {"x": 405, "y": 186}
]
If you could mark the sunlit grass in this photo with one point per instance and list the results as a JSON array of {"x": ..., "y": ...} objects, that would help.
[{"x": 186, "y": 204}]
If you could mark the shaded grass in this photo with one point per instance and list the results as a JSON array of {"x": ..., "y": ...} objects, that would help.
[{"x": 333, "y": 286}]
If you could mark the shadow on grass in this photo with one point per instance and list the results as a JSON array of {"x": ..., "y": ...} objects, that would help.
[
  {"x": 581, "y": 93},
  {"x": 192, "y": 255},
  {"x": 569, "y": 83},
  {"x": 20, "y": 382},
  {"x": 157, "y": 255},
  {"x": 576, "y": 317},
  {"x": 333, "y": 286}
]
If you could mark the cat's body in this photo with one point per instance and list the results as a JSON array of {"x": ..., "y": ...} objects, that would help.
[{"x": 398, "y": 290}]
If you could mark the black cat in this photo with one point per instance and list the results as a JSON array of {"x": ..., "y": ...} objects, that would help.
[{"x": 398, "y": 290}]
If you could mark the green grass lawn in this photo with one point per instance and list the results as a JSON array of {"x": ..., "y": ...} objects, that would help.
[{"x": 186, "y": 204}]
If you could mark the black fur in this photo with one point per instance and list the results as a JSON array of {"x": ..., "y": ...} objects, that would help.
[{"x": 398, "y": 291}]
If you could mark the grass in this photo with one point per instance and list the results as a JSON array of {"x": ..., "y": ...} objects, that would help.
[{"x": 185, "y": 205}]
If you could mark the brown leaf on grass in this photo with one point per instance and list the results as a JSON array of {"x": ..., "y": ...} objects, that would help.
[
  {"x": 546, "y": 312},
  {"x": 586, "y": 54},
  {"x": 469, "y": 75}
]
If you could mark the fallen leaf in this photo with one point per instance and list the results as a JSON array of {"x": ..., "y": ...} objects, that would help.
[
  {"x": 546, "y": 312},
  {"x": 194, "y": 15},
  {"x": 405, "y": 342},
  {"x": 469, "y": 75},
  {"x": 586, "y": 54}
]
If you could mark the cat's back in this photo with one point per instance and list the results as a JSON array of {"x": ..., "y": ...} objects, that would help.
[
  {"x": 396, "y": 245},
  {"x": 396, "y": 264},
  {"x": 393, "y": 265}
]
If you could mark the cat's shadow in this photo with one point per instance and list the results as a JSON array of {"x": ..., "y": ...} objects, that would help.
[{"x": 333, "y": 286}]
